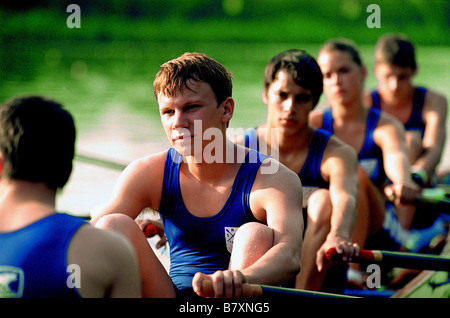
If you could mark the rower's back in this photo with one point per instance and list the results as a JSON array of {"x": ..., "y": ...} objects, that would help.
[{"x": 45, "y": 254}]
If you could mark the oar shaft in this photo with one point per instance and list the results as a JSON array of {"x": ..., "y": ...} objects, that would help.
[
  {"x": 416, "y": 261},
  {"x": 106, "y": 163},
  {"x": 273, "y": 291},
  {"x": 397, "y": 259}
]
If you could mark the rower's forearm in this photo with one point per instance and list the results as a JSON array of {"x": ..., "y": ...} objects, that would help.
[
  {"x": 343, "y": 217},
  {"x": 398, "y": 169}
]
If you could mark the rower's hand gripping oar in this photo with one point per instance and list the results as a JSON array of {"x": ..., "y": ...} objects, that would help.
[
  {"x": 397, "y": 259},
  {"x": 255, "y": 290}
]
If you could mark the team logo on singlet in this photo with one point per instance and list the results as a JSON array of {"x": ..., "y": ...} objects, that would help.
[
  {"x": 11, "y": 282},
  {"x": 229, "y": 237},
  {"x": 368, "y": 165}
]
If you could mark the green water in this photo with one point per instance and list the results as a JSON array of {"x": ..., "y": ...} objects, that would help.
[{"x": 90, "y": 77}]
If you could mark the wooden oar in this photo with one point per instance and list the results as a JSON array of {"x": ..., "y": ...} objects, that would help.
[
  {"x": 255, "y": 290},
  {"x": 397, "y": 259}
]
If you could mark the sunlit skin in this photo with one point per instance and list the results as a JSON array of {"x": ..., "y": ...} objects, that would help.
[
  {"x": 342, "y": 79},
  {"x": 198, "y": 103},
  {"x": 289, "y": 103},
  {"x": 288, "y": 107}
]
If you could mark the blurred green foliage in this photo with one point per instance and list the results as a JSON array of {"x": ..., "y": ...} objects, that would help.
[{"x": 308, "y": 21}]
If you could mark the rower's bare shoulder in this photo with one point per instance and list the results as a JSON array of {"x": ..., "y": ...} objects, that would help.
[
  {"x": 109, "y": 258},
  {"x": 277, "y": 190},
  {"x": 435, "y": 102},
  {"x": 139, "y": 186},
  {"x": 150, "y": 162},
  {"x": 316, "y": 118},
  {"x": 389, "y": 122},
  {"x": 336, "y": 148},
  {"x": 145, "y": 168},
  {"x": 273, "y": 173},
  {"x": 338, "y": 158}
]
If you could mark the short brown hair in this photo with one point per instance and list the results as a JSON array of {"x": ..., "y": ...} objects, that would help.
[
  {"x": 301, "y": 66},
  {"x": 174, "y": 75},
  {"x": 37, "y": 140},
  {"x": 343, "y": 45},
  {"x": 395, "y": 50}
]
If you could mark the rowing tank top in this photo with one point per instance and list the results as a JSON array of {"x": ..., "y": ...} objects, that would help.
[
  {"x": 33, "y": 259},
  {"x": 310, "y": 174},
  {"x": 414, "y": 122},
  {"x": 203, "y": 244},
  {"x": 370, "y": 157}
]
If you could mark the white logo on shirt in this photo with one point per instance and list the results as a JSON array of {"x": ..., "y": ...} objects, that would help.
[
  {"x": 11, "y": 282},
  {"x": 229, "y": 237}
]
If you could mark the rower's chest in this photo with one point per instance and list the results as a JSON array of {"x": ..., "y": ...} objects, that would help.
[
  {"x": 203, "y": 200},
  {"x": 352, "y": 134}
]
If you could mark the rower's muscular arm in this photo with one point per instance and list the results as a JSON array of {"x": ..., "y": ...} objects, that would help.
[
  {"x": 278, "y": 198},
  {"x": 340, "y": 164},
  {"x": 434, "y": 115},
  {"x": 138, "y": 187},
  {"x": 390, "y": 137}
]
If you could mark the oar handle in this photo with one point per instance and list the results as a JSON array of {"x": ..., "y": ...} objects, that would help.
[
  {"x": 364, "y": 255},
  {"x": 150, "y": 230},
  {"x": 254, "y": 290},
  {"x": 249, "y": 290}
]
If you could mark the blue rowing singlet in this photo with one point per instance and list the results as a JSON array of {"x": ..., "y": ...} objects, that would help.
[
  {"x": 414, "y": 122},
  {"x": 203, "y": 244},
  {"x": 33, "y": 259},
  {"x": 370, "y": 157},
  {"x": 310, "y": 174}
]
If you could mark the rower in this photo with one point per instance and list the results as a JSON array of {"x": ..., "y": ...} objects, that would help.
[
  {"x": 422, "y": 111},
  {"x": 43, "y": 253},
  {"x": 215, "y": 198},
  {"x": 333, "y": 189},
  {"x": 376, "y": 136}
]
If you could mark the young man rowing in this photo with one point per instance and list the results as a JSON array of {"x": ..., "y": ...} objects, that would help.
[
  {"x": 326, "y": 166},
  {"x": 422, "y": 111},
  {"x": 206, "y": 193},
  {"x": 377, "y": 137}
]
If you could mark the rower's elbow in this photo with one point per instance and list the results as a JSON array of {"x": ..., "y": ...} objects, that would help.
[{"x": 294, "y": 263}]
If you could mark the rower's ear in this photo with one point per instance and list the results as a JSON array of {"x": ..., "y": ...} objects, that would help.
[
  {"x": 364, "y": 72},
  {"x": 264, "y": 97},
  {"x": 228, "y": 109}
]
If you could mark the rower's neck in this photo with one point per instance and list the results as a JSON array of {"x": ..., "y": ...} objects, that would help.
[
  {"x": 24, "y": 202},
  {"x": 276, "y": 140},
  {"x": 349, "y": 113},
  {"x": 216, "y": 165}
]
